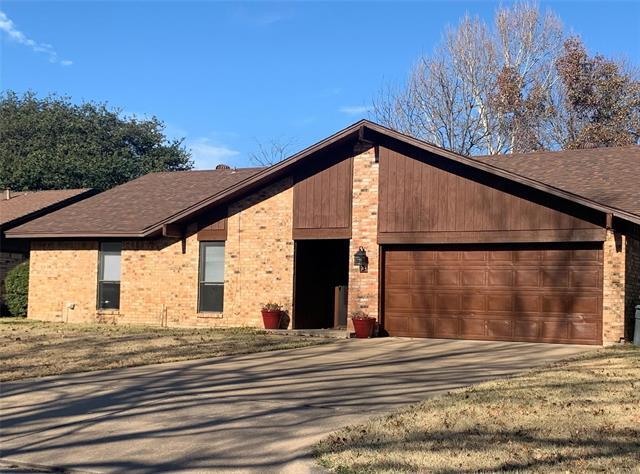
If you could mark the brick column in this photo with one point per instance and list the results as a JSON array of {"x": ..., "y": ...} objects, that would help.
[
  {"x": 363, "y": 287},
  {"x": 613, "y": 288}
]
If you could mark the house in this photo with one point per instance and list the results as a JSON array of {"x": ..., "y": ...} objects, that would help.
[
  {"x": 542, "y": 247},
  {"x": 16, "y": 208}
]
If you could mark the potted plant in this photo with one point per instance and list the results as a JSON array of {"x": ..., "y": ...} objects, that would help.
[
  {"x": 271, "y": 313},
  {"x": 363, "y": 324}
]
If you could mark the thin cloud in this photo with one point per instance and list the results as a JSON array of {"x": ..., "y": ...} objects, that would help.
[
  {"x": 18, "y": 36},
  {"x": 206, "y": 155},
  {"x": 355, "y": 109}
]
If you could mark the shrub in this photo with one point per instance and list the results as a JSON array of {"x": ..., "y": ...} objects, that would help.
[{"x": 16, "y": 285}]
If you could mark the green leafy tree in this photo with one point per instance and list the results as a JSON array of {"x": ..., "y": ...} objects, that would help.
[
  {"x": 52, "y": 143},
  {"x": 16, "y": 285}
]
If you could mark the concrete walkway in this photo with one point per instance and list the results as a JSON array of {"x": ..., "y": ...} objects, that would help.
[{"x": 258, "y": 412}]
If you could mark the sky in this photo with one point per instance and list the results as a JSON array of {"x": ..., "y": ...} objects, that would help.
[{"x": 227, "y": 76}]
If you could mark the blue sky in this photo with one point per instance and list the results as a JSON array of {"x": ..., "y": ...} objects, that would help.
[{"x": 224, "y": 75}]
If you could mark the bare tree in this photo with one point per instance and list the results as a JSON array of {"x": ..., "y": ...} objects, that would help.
[
  {"x": 454, "y": 97},
  {"x": 271, "y": 152}
]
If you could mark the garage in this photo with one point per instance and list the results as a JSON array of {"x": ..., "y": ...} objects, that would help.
[{"x": 511, "y": 292}]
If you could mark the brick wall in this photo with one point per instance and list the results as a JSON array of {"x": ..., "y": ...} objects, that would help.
[
  {"x": 363, "y": 287},
  {"x": 613, "y": 286},
  {"x": 259, "y": 254},
  {"x": 159, "y": 282},
  {"x": 632, "y": 284},
  {"x": 63, "y": 281}
]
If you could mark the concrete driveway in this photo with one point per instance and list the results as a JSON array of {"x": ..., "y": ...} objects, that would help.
[{"x": 258, "y": 412}]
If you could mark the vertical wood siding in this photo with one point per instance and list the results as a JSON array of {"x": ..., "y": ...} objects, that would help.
[
  {"x": 322, "y": 202},
  {"x": 421, "y": 203}
]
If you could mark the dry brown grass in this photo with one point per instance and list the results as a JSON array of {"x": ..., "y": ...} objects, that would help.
[
  {"x": 576, "y": 416},
  {"x": 34, "y": 349}
]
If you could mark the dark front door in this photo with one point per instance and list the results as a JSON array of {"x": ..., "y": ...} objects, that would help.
[
  {"x": 535, "y": 293},
  {"x": 321, "y": 266}
]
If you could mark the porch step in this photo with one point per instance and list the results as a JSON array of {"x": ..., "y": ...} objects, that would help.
[{"x": 328, "y": 333}]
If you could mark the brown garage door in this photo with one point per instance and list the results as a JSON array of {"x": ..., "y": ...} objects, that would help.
[{"x": 550, "y": 293}]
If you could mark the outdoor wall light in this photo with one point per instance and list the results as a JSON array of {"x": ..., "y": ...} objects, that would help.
[{"x": 361, "y": 260}]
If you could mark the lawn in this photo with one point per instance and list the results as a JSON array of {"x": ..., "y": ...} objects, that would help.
[
  {"x": 575, "y": 416},
  {"x": 34, "y": 349}
]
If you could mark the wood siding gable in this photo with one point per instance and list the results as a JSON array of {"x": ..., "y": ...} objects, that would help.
[
  {"x": 440, "y": 202},
  {"x": 322, "y": 199}
]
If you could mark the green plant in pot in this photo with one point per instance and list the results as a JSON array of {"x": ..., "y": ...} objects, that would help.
[
  {"x": 271, "y": 314},
  {"x": 363, "y": 324}
]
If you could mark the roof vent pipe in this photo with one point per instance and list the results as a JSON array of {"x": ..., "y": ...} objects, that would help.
[{"x": 7, "y": 194}]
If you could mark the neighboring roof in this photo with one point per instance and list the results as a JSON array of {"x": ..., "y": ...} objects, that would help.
[
  {"x": 131, "y": 209},
  {"x": 609, "y": 176},
  {"x": 23, "y": 205},
  {"x": 154, "y": 202}
]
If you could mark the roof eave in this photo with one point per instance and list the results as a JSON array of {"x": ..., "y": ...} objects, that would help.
[{"x": 76, "y": 235}]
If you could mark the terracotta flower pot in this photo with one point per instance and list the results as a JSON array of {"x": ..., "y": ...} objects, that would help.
[
  {"x": 271, "y": 319},
  {"x": 363, "y": 327}
]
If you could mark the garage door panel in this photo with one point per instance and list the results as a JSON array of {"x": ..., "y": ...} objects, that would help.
[
  {"x": 447, "y": 278},
  {"x": 526, "y": 329},
  {"x": 421, "y": 327},
  {"x": 448, "y": 302},
  {"x": 422, "y": 302},
  {"x": 474, "y": 277},
  {"x": 471, "y": 328},
  {"x": 474, "y": 256},
  {"x": 555, "y": 278},
  {"x": 499, "y": 302},
  {"x": 570, "y": 304},
  {"x": 584, "y": 279},
  {"x": 500, "y": 328},
  {"x": 544, "y": 294},
  {"x": 527, "y": 303},
  {"x": 422, "y": 279},
  {"x": 584, "y": 331},
  {"x": 453, "y": 256},
  {"x": 474, "y": 302},
  {"x": 400, "y": 324},
  {"x": 398, "y": 300},
  {"x": 500, "y": 256},
  {"x": 584, "y": 256},
  {"x": 527, "y": 277},
  {"x": 447, "y": 327},
  {"x": 555, "y": 330},
  {"x": 401, "y": 277},
  {"x": 500, "y": 277}
]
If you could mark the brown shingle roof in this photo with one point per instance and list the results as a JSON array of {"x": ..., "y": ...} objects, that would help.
[
  {"x": 609, "y": 176},
  {"x": 131, "y": 208},
  {"x": 22, "y": 204}
]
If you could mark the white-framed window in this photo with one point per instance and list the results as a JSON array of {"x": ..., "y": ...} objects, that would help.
[
  {"x": 109, "y": 275},
  {"x": 211, "y": 277}
]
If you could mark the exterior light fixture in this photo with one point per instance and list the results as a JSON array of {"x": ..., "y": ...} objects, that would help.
[{"x": 361, "y": 260}]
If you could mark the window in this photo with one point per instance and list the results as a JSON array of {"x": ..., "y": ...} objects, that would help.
[
  {"x": 211, "y": 277},
  {"x": 109, "y": 275}
]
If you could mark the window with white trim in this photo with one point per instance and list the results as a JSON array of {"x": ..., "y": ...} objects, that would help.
[{"x": 211, "y": 277}]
